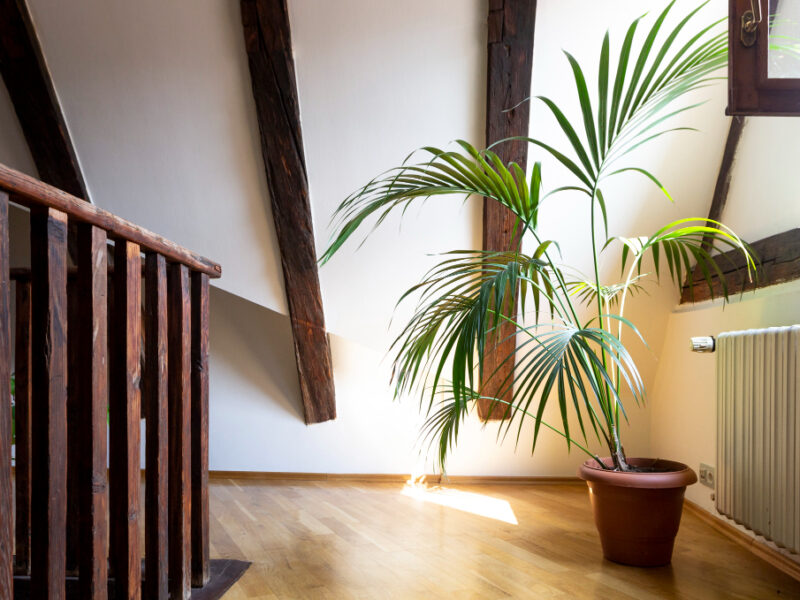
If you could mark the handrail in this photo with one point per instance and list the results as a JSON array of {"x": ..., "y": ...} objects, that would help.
[{"x": 32, "y": 193}]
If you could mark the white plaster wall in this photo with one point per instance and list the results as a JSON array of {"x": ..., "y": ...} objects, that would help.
[
  {"x": 762, "y": 202},
  {"x": 13, "y": 148},
  {"x": 377, "y": 80},
  {"x": 256, "y": 419},
  {"x": 686, "y": 163},
  {"x": 158, "y": 101},
  {"x": 369, "y": 95}
]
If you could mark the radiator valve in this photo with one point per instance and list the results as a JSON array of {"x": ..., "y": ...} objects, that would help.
[{"x": 703, "y": 344}]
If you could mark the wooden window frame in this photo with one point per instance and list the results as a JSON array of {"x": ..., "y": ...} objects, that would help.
[{"x": 750, "y": 90}]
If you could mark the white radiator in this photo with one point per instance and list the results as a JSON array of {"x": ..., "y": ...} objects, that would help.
[{"x": 758, "y": 422}]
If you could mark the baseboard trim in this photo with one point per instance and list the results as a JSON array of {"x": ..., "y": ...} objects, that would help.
[
  {"x": 755, "y": 546},
  {"x": 391, "y": 478}
]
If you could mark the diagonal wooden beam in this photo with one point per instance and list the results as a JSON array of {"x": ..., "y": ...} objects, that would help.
[
  {"x": 30, "y": 88},
  {"x": 269, "y": 51},
  {"x": 720, "y": 197},
  {"x": 726, "y": 169},
  {"x": 508, "y": 84},
  {"x": 778, "y": 259}
]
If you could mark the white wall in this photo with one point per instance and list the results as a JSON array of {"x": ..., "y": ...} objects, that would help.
[
  {"x": 13, "y": 148},
  {"x": 157, "y": 98},
  {"x": 369, "y": 95},
  {"x": 686, "y": 162},
  {"x": 762, "y": 202},
  {"x": 377, "y": 80},
  {"x": 158, "y": 101}
]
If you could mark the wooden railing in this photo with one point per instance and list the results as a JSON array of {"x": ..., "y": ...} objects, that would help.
[{"x": 90, "y": 359}]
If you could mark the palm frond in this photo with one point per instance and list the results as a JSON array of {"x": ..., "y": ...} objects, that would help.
[
  {"x": 586, "y": 291},
  {"x": 640, "y": 96},
  {"x": 688, "y": 244},
  {"x": 446, "y": 173},
  {"x": 459, "y": 303}
]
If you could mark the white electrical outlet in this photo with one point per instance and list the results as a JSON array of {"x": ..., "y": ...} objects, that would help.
[{"x": 708, "y": 475}]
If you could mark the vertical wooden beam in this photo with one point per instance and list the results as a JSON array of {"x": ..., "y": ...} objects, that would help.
[
  {"x": 200, "y": 518},
  {"x": 508, "y": 84},
  {"x": 269, "y": 51},
  {"x": 157, "y": 457},
  {"x": 49, "y": 402},
  {"x": 22, "y": 414},
  {"x": 30, "y": 88},
  {"x": 6, "y": 520},
  {"x": 179, "y": 360},
  {"x": 91, "y": 369},
  {"x": 125, "y": 412}
]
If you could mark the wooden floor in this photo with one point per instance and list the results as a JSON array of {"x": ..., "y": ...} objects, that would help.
[{"x": 382, "y": 540}]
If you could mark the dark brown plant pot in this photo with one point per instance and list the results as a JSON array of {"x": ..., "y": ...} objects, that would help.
[{"x": 637, "y": 514}]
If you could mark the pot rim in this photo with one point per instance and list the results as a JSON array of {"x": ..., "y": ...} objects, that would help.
[{"x": 679, "y": 475}]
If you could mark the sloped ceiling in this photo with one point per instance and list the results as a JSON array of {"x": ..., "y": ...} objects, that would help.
[{"x": 158, "y": 101}]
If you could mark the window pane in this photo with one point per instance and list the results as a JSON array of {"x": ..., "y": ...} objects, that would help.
[{"x": 784, "y": 39}]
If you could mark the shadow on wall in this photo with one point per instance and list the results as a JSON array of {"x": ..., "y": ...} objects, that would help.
[{"x": 255, "y": 344}]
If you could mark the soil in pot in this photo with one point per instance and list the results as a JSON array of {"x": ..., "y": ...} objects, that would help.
[{"x": 637, "y": 513}]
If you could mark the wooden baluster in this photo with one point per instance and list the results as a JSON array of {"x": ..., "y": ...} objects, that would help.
[
  {"x": 22, "y": 416},
  {"x": 90, "y": 331},
  {"x": 179, "y": 323},
  {"x": 155, "y": 402},
  {"x": 200, "y": 539},
  {"x": 6, "y": 529},
  {"x": 125, "y": 411},
  {"x": 49, "y": 401},
  {"x": 73, "y": 418}
]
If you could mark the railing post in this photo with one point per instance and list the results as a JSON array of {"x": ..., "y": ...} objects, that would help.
[
  {"x": 73, "y": 420},
  {"x": 22, "y": 418},
  {"x": 49, "y": 401},
  {"x": 179, "y": 324},
  {"x": 92, "y": 394},
  {"x": 125, "y": 413},
  {"x": 6, "y": 531},
  {"x": 200, "y": 539},
  {"x": 154, "y": 391}
]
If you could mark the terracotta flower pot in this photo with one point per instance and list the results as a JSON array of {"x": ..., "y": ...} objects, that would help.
[{"x": 637, "y": 514}]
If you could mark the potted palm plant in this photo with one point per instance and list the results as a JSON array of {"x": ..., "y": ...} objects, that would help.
[{"x": 570, "y": 351}]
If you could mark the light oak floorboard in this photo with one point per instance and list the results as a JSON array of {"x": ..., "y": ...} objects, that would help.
[{"x": 361, "y": 540}]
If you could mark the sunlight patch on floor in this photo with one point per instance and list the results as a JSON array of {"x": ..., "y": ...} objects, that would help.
[{"x": 476, "y": 504}]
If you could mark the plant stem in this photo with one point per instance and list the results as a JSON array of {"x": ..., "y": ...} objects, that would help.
[
  {"x": 618, "y": 453},
  {"x": 607, "y": 392}
]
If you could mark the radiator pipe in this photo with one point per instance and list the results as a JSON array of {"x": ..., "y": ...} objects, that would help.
[{"x": 705, "y": 343}]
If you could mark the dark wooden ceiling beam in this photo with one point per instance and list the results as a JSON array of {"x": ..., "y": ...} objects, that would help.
[
  {"x": 719, "y": 199},
  {"x": 511, "y": 26},
  {"x": 269, "y": 51},
  {"x": 30, "y": 88},
  {"x": 726, "y": 169},
  {"x": 778, "y": 262}
]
